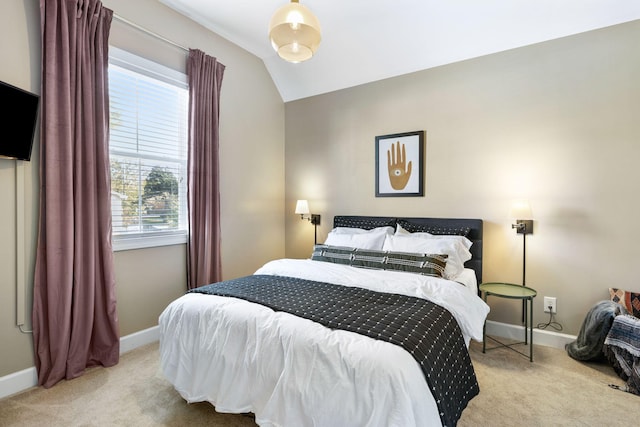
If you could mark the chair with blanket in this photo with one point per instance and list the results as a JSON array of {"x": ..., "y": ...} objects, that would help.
[{"x": 611, "y": 332}]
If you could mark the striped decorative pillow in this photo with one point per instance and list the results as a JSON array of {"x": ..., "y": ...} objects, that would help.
[
  {"x": 425, "y": 264},
  {"x": 334, "y": 254}
]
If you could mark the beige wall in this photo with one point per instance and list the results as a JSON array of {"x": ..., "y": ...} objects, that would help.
[
  {"x": 20, "y": 59},
  {"x": 556, "y": 123},
  {"x": 252, "y": 186}
]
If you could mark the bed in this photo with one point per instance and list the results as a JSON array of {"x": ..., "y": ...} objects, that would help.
[{"x": 296, "y": 345}]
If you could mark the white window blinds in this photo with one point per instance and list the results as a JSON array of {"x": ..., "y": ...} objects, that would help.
[{"x": 148, "y": 150}]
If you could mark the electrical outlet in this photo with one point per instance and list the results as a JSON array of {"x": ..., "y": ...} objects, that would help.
[{"x": 550, "y": 302}]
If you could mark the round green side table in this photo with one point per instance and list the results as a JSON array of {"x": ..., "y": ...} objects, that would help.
[{"x": 511, "y": 291}]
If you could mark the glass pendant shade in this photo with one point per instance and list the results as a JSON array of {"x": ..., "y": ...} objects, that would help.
[{"x": 294, "y": 32}]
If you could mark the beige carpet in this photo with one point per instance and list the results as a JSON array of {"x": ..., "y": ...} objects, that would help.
[{"x": 554, "y": 390}]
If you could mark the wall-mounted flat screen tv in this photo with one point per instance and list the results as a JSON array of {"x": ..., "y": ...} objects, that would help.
[{"x": 18, "y": 116}]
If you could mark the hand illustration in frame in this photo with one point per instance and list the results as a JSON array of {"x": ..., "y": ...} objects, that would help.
[{"x": 399, "y": 170}]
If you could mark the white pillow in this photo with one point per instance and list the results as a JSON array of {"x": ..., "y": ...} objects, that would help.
[
  {"x": 353, "y": 230},
  {"x": 363, "y": 239},
  {"x": 462, "y": 239},
  {"x": 457, "y": 253}
]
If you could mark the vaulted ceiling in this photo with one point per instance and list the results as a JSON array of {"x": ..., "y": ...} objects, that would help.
[{"x": 369, "y": 40}]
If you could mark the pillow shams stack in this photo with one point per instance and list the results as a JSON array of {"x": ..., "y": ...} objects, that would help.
[
  {"x": 455, "y": 247},
  {"x": 343, "y": 241}
]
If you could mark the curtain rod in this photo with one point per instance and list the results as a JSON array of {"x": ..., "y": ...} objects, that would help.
[{"x": 149, "y": 32}]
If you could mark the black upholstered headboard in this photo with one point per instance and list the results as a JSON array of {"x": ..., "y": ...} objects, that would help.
[{"x": 432, "y": 225}]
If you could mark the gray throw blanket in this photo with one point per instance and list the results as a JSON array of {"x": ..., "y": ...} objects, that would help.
[{"x": 594, "y": 330}]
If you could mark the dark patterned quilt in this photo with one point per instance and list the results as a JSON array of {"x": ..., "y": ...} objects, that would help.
[{"x": 426, "y": 330}]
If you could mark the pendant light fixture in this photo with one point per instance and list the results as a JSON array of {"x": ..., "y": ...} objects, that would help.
[{"x": 294, "y": 32}]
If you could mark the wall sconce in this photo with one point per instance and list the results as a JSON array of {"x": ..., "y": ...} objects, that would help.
[
  {"x": 521, "y": 212},
  {"x": 302, "y": 209}
]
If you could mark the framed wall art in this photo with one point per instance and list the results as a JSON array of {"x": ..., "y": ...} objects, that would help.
[{"x": 400, "y": 165}]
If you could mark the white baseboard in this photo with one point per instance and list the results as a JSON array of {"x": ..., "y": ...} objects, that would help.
[
  {"x": 540, "y": 336},
  {"x": 18, "y": 381},
  {"x": 138, "y": 339},
  {"x": 27, "y": 378}
]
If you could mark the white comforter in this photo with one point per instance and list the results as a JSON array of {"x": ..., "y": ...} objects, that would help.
[{"x": 288, "y": 371}]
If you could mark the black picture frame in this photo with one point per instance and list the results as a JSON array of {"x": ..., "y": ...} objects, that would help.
[{"x": 399, "y": 164}]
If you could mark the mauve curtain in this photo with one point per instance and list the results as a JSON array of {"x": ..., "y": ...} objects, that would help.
[
  {"x": 74, "y": 306},
  {"x": 203, "y": 187}
]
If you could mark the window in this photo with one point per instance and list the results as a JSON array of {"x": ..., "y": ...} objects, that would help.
[{"x": 148, "y": 152}]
